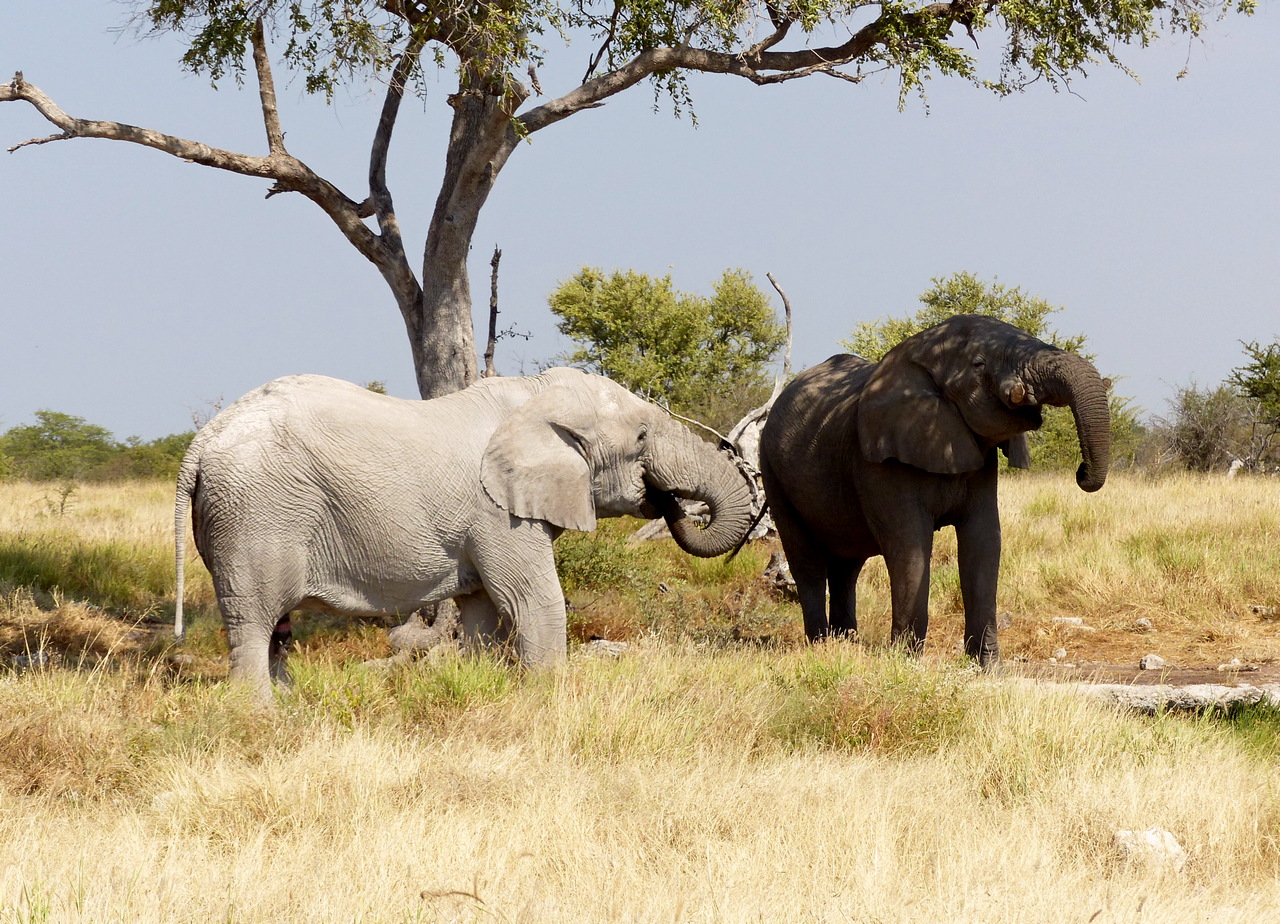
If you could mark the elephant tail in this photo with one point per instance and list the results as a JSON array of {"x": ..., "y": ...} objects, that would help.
[{"x": 188, "y": 479}]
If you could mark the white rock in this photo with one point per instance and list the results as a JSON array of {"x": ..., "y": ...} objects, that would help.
[
  {"x": 1195, "y": 697},
  {"x": 1073, "y": 623},
  {"x": 1154, "y": 846},
  {"x": 603, "y": 648},
  {"x": 1060, "y": 654},
  {"x": 1142, "y": 624},
  {"x": 1151, "y": 662}
]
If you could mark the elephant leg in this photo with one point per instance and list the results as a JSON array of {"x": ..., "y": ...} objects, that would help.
[
  {"x": 808, "y": 562},
  {"x": 909, "y": 588},
  {"x": 978, "y": 551},
  {"x": 250, "y": 634},
  {"x": 481, "y": 623},
  {"x": 843, "y": 578},
  {"x": 518, "y": 571}
]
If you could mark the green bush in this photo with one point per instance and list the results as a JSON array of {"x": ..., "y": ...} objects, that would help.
[{"x": 61, "y": 447}]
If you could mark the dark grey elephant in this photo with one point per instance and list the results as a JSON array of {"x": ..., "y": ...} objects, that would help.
[
  {"x": 314, "y": 493},
  {"x": 862, "y": 459}
]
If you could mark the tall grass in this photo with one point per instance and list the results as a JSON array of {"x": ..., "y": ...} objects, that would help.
[
  {"x": 717, "y": 771},
  {"x": 677, "y": 783},
  {"x": 106, "y": 544}
]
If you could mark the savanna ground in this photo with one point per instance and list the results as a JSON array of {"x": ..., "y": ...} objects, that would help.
[{"x": 719, "y": 770}]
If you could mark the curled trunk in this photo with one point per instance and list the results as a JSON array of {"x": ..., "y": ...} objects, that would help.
[
  {"x": 1065, "y": 379},
  {"x": 686, "y": 467}
]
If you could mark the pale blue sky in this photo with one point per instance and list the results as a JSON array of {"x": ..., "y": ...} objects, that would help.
[{"x": 135, "y": 289}]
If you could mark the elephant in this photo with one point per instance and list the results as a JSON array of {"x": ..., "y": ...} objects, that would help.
[
  {"x": 314, "y": 493},
  {"x": 861, "y": 459}
]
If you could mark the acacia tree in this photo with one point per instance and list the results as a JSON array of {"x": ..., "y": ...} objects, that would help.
[
  {"x": 494, "y": 46},
  {"x": 1258, "y": 383}
]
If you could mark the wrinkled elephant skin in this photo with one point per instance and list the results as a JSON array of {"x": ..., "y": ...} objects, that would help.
[
  {"x": 862, "y": 459},
  {"x": 313, "y": 493}
]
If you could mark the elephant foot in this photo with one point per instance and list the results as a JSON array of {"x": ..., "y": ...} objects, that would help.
[
  {"x": 984, "y": 649},
  {"x": 989, "y": 659}
]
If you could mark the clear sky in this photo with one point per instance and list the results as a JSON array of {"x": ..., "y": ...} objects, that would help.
[{"x": 135, "y": 289}]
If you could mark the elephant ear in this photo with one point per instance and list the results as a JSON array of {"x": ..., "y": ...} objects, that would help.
[
  {"x": 535, "y": 464},
  {"x": 903, "y": 415},
  {"x": 1018, "y": 450}
]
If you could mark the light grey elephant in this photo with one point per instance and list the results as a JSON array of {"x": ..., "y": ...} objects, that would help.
[{"x": 313, "y": 493}]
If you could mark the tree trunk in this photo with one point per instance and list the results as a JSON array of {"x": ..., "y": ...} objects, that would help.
[{"x": 440, "y": 325}]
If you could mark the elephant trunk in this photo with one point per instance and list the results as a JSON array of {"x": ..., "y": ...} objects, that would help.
[
  {"x": 1065, "y": 379},
  {"x": 684, "y": 466}
]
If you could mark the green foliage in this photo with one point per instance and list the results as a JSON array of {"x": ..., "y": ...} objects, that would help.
[
  {"x": 57, "y": 446},
  {"x": 1259, "y": 379},
  {"x": 330, "y": 42},
  {"x": 687, "y": 351},
  {"x": 1055, "y": 444},
  {"x": 962, "y": 293},
  {"x": 1206, "y": 429},
  {"x": 1258, "y": 382},
  {"x": 599, "y": 560},
  {"x": 60, "y": 447}
]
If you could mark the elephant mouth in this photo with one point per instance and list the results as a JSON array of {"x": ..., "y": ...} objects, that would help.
[
  {"x": 656, "y": 503},
  {"x": 1032, "y": 414}
]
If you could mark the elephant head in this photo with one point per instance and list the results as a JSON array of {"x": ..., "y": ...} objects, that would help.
[
  {"x": 943, "y": 398},
  {"x": 586, "y": 448}
]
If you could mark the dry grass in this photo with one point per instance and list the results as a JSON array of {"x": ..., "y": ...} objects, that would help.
[
  {"x": 695, "y": 779},
  {"x": 662, "y": 787}
]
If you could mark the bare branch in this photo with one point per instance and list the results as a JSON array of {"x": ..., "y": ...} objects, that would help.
[
  {"x": 289, "y": 173},
  {"x": 380, "y": 202},
  {"x": 608, "y": 40},
  {"x": 786, "y": 357},
  {"x": 492, "y": 345},
  {"x": 61, "y": 136},
  {"x": 267, "y": 91},
  {"x": 781, "y": 28},
  {"x": 724, "y": 440}
]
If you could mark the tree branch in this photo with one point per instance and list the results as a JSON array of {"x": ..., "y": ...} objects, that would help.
[
  {"x": 289, "y": 173},
  {"x": 267, "y": 91},
  {"x": 781, "y": 28},
  {"x": 491, "y": 345},
  {"x": 757, "y": 64},
  {"x": 608, "y": 40},
  {"x": 786, "y": 360},
  {"x": 380, "y": 202}
]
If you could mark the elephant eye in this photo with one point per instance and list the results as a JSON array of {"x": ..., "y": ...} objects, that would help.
[
  {"x": 979, "y": 363},
  {"x": 643, "y": 434}
]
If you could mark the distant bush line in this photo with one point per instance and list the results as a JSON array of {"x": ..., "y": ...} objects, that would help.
[{"x": 61, "y": 447}]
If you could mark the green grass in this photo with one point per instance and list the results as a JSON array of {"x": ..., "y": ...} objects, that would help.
[{"x": 114, "y": 575}]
